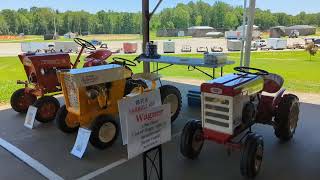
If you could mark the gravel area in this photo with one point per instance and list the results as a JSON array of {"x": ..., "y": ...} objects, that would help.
[{"x": 12, "y": 49}]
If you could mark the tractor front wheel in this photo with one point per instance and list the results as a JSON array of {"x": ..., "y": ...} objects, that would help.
[
  {"x": 48, "y": 107},
  {"x": 171, "y": 95},
  {"x": 251, "y": 156},
  {"x": 192, "y": 139},
  {"x": 20, "y": 101},
  {"x": 287, "y": 117},
  {"x": 63, "y": 121},
  {"x": 104, "y": 132}
]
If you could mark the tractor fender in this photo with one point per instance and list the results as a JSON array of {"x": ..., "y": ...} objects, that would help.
[{"x": 278, "y": 98}]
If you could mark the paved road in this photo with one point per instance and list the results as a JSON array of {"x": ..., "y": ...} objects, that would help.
[{"x": 298, "y": 159}]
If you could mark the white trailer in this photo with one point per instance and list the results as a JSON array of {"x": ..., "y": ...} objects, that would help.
[
  {"x": 169, "y": 47},
  {"x": 232, "y": 34},
  {"x": 35, "y": 47},
  {"x": 65, "y": 47},
  {"x": 234, "y": 45},
  {"x": 277, "y": 43}
]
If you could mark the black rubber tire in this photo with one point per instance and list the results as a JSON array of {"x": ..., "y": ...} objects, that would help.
[
  {"x": 44, "y": 101},
  {"x": 96, "y": 126},
  {"x": 289, "y": 104},
  {"x": 61, "y": 121},
  {"x": 15, "y": 98},
  {"x": 167, "y": 90},
  {"x": 189, "y": 133},
  {"x": 131, "y": 84},
  {"x": 249, "y": 155}
]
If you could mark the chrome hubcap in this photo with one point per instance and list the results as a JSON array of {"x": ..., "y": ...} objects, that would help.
[
  {"x": 293, "y": 118},
  {"x": 173, "y": 101},
  {"x": 107, "y": 132}
]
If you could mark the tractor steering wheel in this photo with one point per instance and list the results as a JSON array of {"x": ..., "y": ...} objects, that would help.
[
  {"x": 247, "y": 70},
  {"x": 84, "y": 43},
  {"x": 124, "y": 61}
]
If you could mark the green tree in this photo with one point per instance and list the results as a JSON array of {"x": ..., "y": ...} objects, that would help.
[{"x": 4, "y": 28}]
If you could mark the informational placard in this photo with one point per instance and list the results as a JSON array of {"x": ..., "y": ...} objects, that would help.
[
  {"x": 81, "y": 143},
  {"x": 135, "y": 104},
  {"x": 30, "y": 117},
  {"x": 147, "y": 129}
]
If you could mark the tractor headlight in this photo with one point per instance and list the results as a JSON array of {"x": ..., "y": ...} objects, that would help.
[
  {"x": 92, "y": 94},
  {"x": 42, "y": 71}
]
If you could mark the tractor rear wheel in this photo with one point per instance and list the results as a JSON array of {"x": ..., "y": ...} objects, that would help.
[
  {"x": 132, "y": 84},
  {"x": 287, "y": 117},
  {"x": 192, "y": 139},
  {"x": 63, "y": 121},
  {"x": 48, "y": 107},
  {"x": 251, "y": 156},
  {"x": 20, "y": 101},
  {"x": 104, "y": 132},
  {"x": 171, "y": 95}
]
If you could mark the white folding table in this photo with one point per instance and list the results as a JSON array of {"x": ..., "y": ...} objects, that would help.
[{"x": 192, "y": 63}]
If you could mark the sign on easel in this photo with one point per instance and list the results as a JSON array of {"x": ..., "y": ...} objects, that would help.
[
  {"x": 81, "y": 143},
  {"x": 30, "y": 117},
  {"x": 135, "y": 104},
  {"x": 148, "y": 129},
  {"x": 145, "y": 122}
]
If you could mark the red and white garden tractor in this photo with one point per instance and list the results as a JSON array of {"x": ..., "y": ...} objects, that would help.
[
  {"x": 42, "y": 84},
  {"x": 231, "y": 105}
]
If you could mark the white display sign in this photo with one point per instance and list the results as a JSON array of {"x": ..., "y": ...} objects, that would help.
[
  {"x": 81, "y": 142},
  {"x": 148, "y": 129},
  {"x": 131, "y": 105},
  {"x": 30, "y": 117}
]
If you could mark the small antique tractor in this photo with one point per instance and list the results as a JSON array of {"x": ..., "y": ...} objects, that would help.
[
  {"x": 43, "y": 82},
  {"x": 91, "y": 96},
  {"x": 231, "y": 105}
]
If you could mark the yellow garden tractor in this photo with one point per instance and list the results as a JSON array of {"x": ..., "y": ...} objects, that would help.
[{"x": 91, "y": 99}]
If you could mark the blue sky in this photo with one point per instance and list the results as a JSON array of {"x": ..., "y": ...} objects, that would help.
[{"x": 288, "y": 6}]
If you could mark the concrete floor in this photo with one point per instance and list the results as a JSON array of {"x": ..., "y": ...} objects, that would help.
[{"x": 298, "y": 159}]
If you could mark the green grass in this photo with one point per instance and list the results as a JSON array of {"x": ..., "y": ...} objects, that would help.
[{"x": 300, "y": 74}]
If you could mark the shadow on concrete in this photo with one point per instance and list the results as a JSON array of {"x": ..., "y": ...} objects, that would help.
[{"x": 297, "y": 159}]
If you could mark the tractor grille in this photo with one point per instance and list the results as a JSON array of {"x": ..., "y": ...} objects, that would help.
[
  {"x": 71, "y": 92},
  {"x": 217, "y": 112}
]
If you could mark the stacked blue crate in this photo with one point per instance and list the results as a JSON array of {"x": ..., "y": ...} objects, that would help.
[{"x": 194, "y": 98}]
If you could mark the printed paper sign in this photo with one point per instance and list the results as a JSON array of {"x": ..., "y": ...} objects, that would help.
[
  {"x": 131, "y": 105},
  {"x": 30, "y": 117},
  {"x": 148, "y": 129},
  {"x": 81, "y": 142}
]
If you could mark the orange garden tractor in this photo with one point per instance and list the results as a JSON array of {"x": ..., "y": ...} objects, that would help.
[
  {"x": 92, "y": 94},
  {"x": 43, "y": 82},
  {"x": 231, "y": 105}
]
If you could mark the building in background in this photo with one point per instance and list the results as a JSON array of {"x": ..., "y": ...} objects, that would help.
[
  {"x": 277, "y": 31},
  {"x": 304, "y": 30},
  {"x": 200, "y": 31}
]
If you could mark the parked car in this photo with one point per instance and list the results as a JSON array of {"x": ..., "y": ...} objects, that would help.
[
  {"x": 260, "y": 43},
  {"x": 294, "y": 34},
  {"x": 317, "y": 42},
  {"x": 186, "y": 48},
  {"x": 96, "y": 42}
]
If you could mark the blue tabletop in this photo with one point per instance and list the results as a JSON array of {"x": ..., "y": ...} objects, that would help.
[{"x": 184, "y": 61}]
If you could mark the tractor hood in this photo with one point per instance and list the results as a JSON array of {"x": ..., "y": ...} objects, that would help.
[{"x": 234, "y": 84}]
